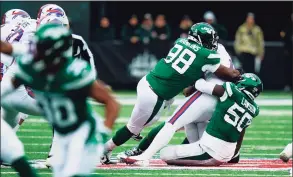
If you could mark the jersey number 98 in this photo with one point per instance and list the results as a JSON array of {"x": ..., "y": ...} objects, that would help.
[{"x": 181, "y": 58}]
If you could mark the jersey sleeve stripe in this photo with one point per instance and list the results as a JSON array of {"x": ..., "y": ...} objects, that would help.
[
  {"x": 77, "y": 84},
  {"x": 224, "y": 97},
  {"x": 213, "y": 56},
  {"x": 185, "y": 107},
  {"x": 228, "y": 88}
]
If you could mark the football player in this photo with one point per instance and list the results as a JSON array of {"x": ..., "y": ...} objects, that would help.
[
  {"x": 17, "y": 27},
  {"x": 62, "y": 86},
  {"x": 52, "y": 13},
  {"x": 186, "y": 62},
  {"x": 234, "y": 112}
]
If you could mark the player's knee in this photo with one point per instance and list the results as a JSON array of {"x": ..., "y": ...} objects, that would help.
[
  {"x": 168, "y": 153},
  {"x": 134, "y": 129},
  {"x": 10, "y": 156}
]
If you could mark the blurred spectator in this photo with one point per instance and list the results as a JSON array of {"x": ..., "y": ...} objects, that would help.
[
  {"x": 249, "y": 44},
  {"x": 161, "y": 29},
  {"x": 184, "y": 27},
  {"x": 130, "y": 30},
  {"x": 105, "y": 31},
  {"x": 287, "y": 38},
  {"x": 145, "y": 29},
  {"x": 210, "y": 18}
]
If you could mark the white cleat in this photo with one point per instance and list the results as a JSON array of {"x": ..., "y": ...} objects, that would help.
[
  {"x": 286, "y": 154},
  {"x": 49, "y": 162}
]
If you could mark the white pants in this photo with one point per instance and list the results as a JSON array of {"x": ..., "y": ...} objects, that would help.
[
  {"x": 74, "y": 155},
  {"x": 11, "y": 147},
  {"x": 208, "y": 151},
  {"x": 147, "y": 109},
  {"x": 198, "y": 107},
  {"x": 194, "y": 131},
  {"x": 16, "y": 102}
]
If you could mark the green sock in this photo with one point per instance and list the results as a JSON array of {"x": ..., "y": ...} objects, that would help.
[
  {"x": 145, "y": 143},
  {"x": 121, "y": 136},
  {"x": 23, "y": 168}
]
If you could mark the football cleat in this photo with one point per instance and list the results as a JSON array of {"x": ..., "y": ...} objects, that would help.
[
  {"x": 137, "y": 137},
  {"x": 49, "y": 162},
  {"x": 131, "y": 152},
  {"x": 106, "y": 158},
  {"x": 286, "y": 154}
]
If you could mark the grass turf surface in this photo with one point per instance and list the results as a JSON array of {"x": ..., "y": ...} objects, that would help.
[{"x": 265, "y": 138}]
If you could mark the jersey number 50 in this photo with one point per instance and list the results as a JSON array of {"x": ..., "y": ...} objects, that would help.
[
  {"x": 184, "y": 58},
  {"x": 239, "y": 122}
]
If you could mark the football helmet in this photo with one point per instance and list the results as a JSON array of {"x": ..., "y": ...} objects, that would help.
[
  {"x": 53, "y": 47},
  {"x": 204, "y": 35},
  {"x": 15, "y": 16},
  {"x": 53, "y": 19},
  {"x": 52, "y": 9},
  {"x": 250, "y": 84}
]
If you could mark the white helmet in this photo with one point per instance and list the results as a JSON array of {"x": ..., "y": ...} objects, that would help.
[
  {"x": 53, "y": 19},
  {"x": 15, "y": 16},
  {"x": 50, "y": 9}
]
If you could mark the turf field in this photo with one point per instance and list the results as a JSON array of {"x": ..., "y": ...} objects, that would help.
[{"x": 269, "y": 133}]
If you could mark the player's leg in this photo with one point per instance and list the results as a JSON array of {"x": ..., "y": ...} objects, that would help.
[
  {"x": 286, "y": 154},
  {"x": 146, "y": 109},
  {"x": 83, "y": 151},
  {"x": 187, "y": 155},
  {"x": 194, "y": 131},
  {"x": 9, "y": 115},
  {"x": 196, "y": 107},
  {"x": 12, "y": 152}
]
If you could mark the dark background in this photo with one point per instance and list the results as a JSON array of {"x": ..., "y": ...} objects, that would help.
[{"x": 270, "y": 16}]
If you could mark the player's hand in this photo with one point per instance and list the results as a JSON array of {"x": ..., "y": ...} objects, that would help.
[{"x": 188, "y": 91}]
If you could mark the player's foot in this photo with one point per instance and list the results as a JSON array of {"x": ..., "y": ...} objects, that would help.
[
  {"x": 49, "y": 161},
  {"x": 286, "y": 154},
  {"x": 106, "y": 158},
  {"x": 136, "y": 160},
  {"x": 235, "y": 159},
  {"x": 137, "y": 137},
  {"x": 131, "y": 152}
]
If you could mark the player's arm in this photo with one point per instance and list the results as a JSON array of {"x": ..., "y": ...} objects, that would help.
[
  {"x": 209, "y": 88},
  {"x": 189, "y": 91},
  {"x": 13, "y": 49},
  {"x": 102, "y": 95},
  {"x": 227, "y": 74}
]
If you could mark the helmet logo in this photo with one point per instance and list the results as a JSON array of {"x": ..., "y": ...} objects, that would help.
[
  {"x": 58, "y": 12},
  {"x": 209, "y": 30}
]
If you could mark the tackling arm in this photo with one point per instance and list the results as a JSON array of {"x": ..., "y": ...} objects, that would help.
[
  {"x": 101, "y": 94},
  {"x": 227, "y": 74},
  {"x": 209, "y": 88}
]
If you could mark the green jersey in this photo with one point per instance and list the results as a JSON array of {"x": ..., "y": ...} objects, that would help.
[
  {"x": 62, "y": 96},
  {"x": 233, "y": 113},
  {"x": 186, "y": 62}
]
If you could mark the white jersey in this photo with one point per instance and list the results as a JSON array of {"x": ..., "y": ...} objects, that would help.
[
  {"x": 13, "y": 33},
  {"x": 225, "y": 60}
]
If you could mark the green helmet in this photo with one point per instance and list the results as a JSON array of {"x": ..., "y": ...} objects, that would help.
[
  {"x": 53, "y": 46},
  {"x": 250, "y": 84},
  {"x": 205, "y": 35}
]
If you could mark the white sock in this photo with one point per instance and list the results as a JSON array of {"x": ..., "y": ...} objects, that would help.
[
  {"x": 161, "y": 140},
  {"x": 110, "y": 145},
  {"x": 53, "y": 147},
  {"x": 288, "y": 150}
]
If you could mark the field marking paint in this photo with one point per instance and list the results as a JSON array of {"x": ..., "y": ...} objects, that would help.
[{"x": 164, "y": 174}]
